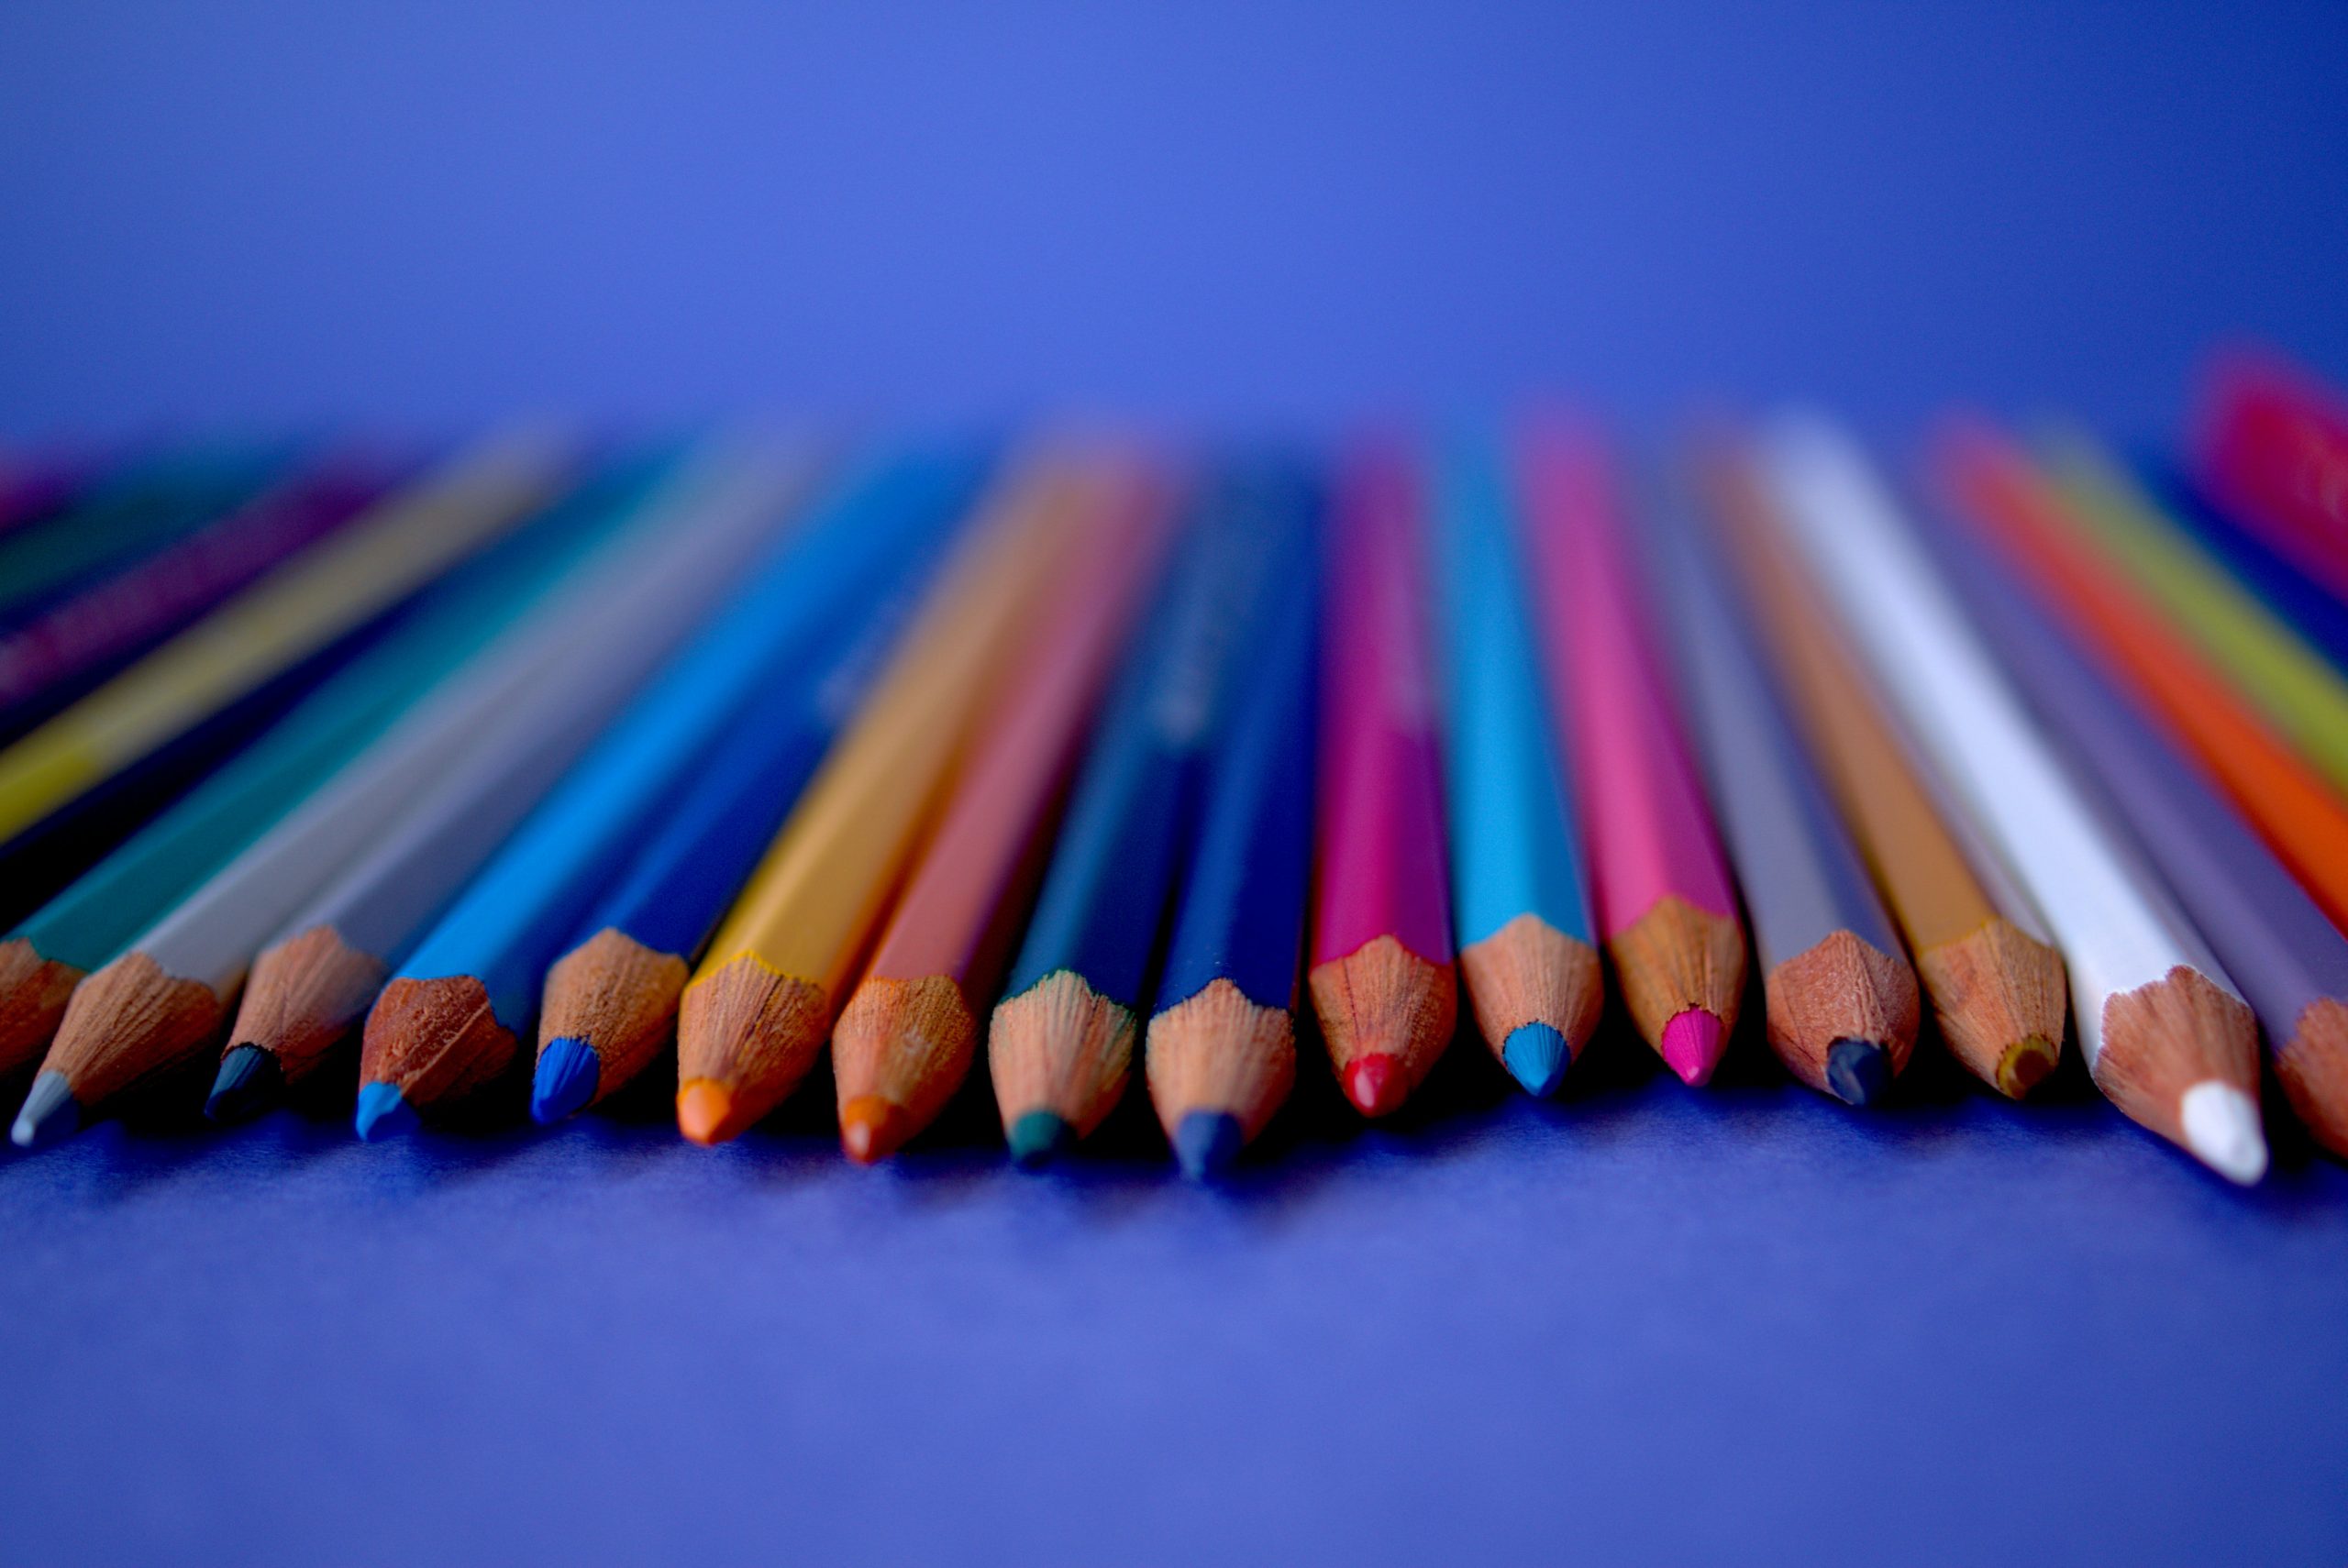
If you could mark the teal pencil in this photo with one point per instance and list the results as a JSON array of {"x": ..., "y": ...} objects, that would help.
[
  {"x": 94, "y": 921},
  {"x": 1520, "y": 888}
]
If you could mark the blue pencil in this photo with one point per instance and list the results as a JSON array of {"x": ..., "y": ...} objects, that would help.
[
  {"x": 610, "y": 1000},
  {"x": 1061, "y": 1044},
  {"x": 1520, "y": 888},
  {"x": 472, "y": 981},
  {"x": 1222, "y": 1045}
]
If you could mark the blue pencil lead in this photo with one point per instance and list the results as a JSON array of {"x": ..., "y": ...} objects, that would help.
[
  {"x": 51, "y": 1114},
  {"x": 565, "y": 1081},
  {"x": 250, "y": 1082},
  {"x": 1206, "y": 1141},
  {"x": 1038, "y": 1138},
  {"x": 1537, "y": 1057},
  {"x": 384, "y": 1113}
]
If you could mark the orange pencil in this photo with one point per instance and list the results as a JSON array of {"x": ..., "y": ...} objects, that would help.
[
  {"x": 907, "y": 1036},
  {"x": 2014, "y": 504}
]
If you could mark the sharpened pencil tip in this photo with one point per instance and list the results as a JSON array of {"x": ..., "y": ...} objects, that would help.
[
  {"x": 1693, "y": 1042},
  {"x": 51, "y": 1115},
  {"x": 706, "y": 1111},
  {"x": 2221, "y": 1126},
  {"x": 872, "y": 1129},
  {"x": 383, "y": 1112},
  {"x": 2025, "y": 1064},
  {"x": 250, "y": 1081},
  {"x": 1207, "y": 1142},
  {"x": 1039, "y": 1137},
  {"x": 1859, "y": 1071},
  {"x": 1536, "y": 1057},
  {"x": 565, "y": 1080},
  {"x": 1377, "y": 1084}
]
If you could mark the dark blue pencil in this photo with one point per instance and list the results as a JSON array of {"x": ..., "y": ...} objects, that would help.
[
  {"x": 1221, "y": 1044},
  {"x": 1060, "y": 1047},
  {"x": 610, "y": 1002}
]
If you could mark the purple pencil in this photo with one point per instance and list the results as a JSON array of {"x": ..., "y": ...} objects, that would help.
[{"x": 2280, "y": 949}]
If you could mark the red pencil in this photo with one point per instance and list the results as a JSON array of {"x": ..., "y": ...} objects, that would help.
[{"x": 1382, "y": 979}]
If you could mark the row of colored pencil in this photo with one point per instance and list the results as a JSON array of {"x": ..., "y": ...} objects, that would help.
[{"x": 1082, "y": 755}]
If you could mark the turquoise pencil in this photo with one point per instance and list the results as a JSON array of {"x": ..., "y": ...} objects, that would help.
[
  {"x": 94, "y": 921},
  {"x": 474, "y": 978},
  {"x": 1520, "y": 888},
  {"x": 1061, "y": 1044}
]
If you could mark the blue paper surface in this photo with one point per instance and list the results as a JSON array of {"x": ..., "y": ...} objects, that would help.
[{"x": 1642, "y": 1324}]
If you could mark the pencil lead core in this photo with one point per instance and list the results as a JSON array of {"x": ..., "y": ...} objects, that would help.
[
  {"x": 1692, "y": 1043},
  {"x": 383, "y": 1112},
  {"x": 706, "y": 1111},
  {"x": 1537, "y": 1057},
  {"x": 1859, "y": 1071},
  {"x": 1039, "y": 1137},
  {"x": 250, "y": 1082},
  {"x": 2221, "y": 1126},
  {"x": 872, "y": 1129},
  {"x": 1207, "y": 1142},
  {"x": 565, "y": 1079},
  {"x": 1377, "y": 1084},
  {"x": 51, "y": 1114}
]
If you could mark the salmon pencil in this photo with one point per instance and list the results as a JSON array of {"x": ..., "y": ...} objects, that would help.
[
  {"x": 1666, "y": 906},
  {"x": 907, "y": 1036},
  {"x": 1382, "y": 978}
]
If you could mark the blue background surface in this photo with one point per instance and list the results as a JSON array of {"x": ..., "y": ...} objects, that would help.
[{"x": 1643, "y": 1323}]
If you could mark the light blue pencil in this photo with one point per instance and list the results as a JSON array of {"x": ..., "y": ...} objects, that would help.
[{"x": 1520, "y": 890}]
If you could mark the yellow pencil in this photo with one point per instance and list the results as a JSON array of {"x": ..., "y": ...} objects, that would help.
[
  {"x": 762, "y": 1003},
  {"x": 2293, "y": 685},
  {"x": 370, "y": 565}
]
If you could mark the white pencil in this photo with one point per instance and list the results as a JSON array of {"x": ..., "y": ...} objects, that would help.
[
  {"x": 2162, "y": 1028},
  {"x": 155, "y": 1008},
  {"x": 325, "y": 966}
]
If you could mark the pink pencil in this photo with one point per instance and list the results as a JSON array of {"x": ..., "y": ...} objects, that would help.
[
  {"x": 1666, "y": 906},
  {"x": 1382, "y": 981}
]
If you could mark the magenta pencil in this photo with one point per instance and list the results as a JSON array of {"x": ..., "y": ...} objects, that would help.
[
  {"x": 1667, "y": 909},
  {"x": 1382, "y": 978}
]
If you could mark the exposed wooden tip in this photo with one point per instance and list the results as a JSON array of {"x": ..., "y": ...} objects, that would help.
[
  {"x": 306, "y": 995},
  {"x": 130, "y": 1023},
  {"x": 1840, "y": 988},
  {"x": 2313, "y": 1066},
  {"x": 1677, "y": 956},
  {"x": 906, "y": 1044},
  {"x": 1530, "y": 972},
  {"x": 33, "y": 993},
  {"x": 1060, "y": 1047},
  {"x": 619, "y": 998},
  {"x": 753, "y": 1032},
  {"x": 436, "y": 1040},
  {"x": 1382, "y": 1000},
  {"x": 1217, "y": 1050},
  {"x": 2000, "y": 998},
  {"x": 2169, "y": 1035}
]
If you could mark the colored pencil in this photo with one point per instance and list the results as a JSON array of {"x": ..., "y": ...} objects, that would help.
[
  {"x": 1659, "y": 881},
  {"x": 373, "y": 563},
  {"x": 1996, "y": 985},
  {"x": 484, "y": 959},
  {"x": 2291, "y": 963},
  {"x": 611, "y": 1000},
  {"x": 119, "y": 614},
  {"x": 2303, "y": 698},
  {"x": 126, "y": 520},
  {"x": 2164, "y": 1034},
  {"x": 329, "y": 964},
  {"x": 761, "y": 1003},
  {"x": 906, "y": 1038},
  {"x": 2283, "y": 588},
  {"x": 1520, "y": 886},
  {"x": 2012, "y": 505},
  {"x": 1839, "y": 997},
  {"x": 166, "y": 998},
  {"x": 2273, "y": 448},
  {"x": 1382, "y": 978},
  {"x": 95, "y": 920},
  {"x": 1061, "y": 1043},
  {"x": 1220, "y": 1052}
]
